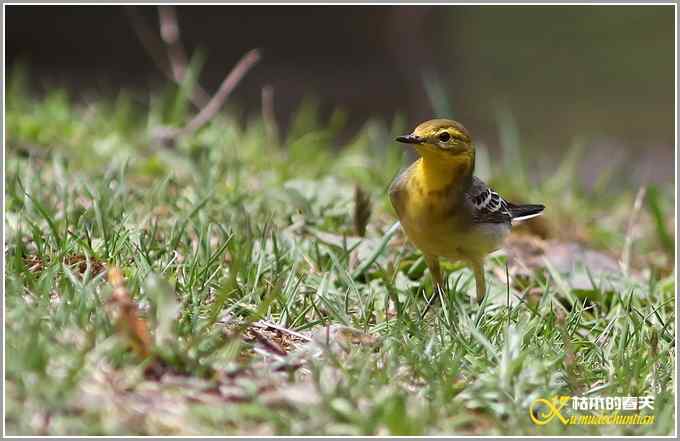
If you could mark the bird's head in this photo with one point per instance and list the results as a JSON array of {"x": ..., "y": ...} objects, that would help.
[{"x": 444, "y": 138}]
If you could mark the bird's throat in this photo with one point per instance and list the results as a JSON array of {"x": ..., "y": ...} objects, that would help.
[{"x": 435, "y": 173}]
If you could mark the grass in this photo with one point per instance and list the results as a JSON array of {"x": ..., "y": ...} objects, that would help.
[{"x": 250, "y": 305}]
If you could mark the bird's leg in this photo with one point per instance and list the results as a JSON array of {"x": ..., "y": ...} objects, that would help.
[
  {"x": 437, "y": 279},
  {"x": 435, "y": 270},
  {"x": 480, "y": 282}
]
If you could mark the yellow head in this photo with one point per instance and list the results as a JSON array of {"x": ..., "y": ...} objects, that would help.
[{"x": 443, "y": 138}]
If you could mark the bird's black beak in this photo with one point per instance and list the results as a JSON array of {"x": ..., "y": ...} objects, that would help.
[{"x": 410, "y": 139}]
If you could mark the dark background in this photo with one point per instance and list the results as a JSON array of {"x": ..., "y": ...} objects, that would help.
[{"x": 604, "y": 74}]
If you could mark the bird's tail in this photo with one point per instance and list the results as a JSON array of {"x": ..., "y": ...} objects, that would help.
[{"x": 524, "y": 212}]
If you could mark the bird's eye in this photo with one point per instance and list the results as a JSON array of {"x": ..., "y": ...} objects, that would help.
[{"x": 444, "y": 136}]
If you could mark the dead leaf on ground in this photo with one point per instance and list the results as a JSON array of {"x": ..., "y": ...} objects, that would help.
[
  {"x": 128, "y": 320},
  {"x": 564, "y": 256},
  {"x": 81, "y": 263},
  {"x": 528, "y": 253},
  {"x": 36, "y": 264},
  {"x": 285, "y": 339},
  {"x": 155, "y": 406},
  {"x": 342, "y": 338},
  {"x": 362, "y": 210},
  {"x": 582, "y": 268}
]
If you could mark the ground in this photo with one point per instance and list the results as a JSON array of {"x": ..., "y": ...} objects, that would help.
[{"x": 238, "y": 281}]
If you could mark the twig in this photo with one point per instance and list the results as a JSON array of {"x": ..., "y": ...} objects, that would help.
[
  {"x": 167, "y": 17},
  {"x": 628, "y": 244},
  {"x": 266, "y": 324},
  {"x": 268, "y": 115},
  {"x": 176, "y": 68},
  {"x": 210, "y": 110},
  {"x": 169, "y": 26},
  {"x": 227, "y": 86},
  {"x": 152, "y": 44},
  {"x": 270, "y": 346}
]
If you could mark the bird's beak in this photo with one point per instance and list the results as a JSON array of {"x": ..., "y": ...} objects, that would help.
[{"x": 410, "y": 139}]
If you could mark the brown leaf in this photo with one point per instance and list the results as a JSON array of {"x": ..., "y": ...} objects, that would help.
[
  {"x": 527, "y": 253},
  {"x": 129, "y": 323},
  {"x": 362, "y": 211},
  {"x": 269, "y": 344},
  {"x": 343, "y": 337},
  {"x": 80, "y": 261},
  {"x": 34, "y": 263}
]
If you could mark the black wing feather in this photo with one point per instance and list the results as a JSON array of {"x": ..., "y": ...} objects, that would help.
[{"x": 487, "y": 206}]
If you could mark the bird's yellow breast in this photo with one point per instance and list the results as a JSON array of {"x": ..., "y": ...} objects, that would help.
[{"x": 429, "y": 202}]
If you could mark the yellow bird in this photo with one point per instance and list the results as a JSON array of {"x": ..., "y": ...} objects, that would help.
[{"x": 445, "y": 210}]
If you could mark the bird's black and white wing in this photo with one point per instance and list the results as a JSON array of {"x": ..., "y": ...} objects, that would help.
[{"x": 487, "y": 206}]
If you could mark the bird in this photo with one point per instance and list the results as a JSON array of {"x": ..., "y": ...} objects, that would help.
[{"x": 446, "y": 211}]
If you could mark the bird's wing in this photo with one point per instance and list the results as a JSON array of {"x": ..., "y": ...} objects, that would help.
[{"x": 485, "y": 205}]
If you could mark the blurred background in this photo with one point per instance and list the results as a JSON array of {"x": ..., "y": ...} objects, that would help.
[{"x": 600, "y": 74}]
